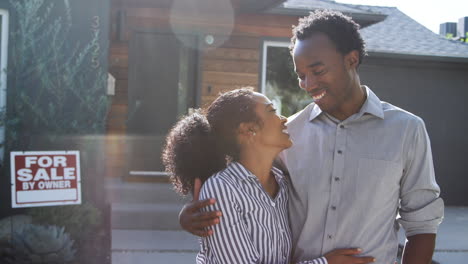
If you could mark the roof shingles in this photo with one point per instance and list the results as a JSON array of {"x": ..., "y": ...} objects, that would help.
[
  {"x": 399, "y": 33},
  {"x": 396, "y": 34}
]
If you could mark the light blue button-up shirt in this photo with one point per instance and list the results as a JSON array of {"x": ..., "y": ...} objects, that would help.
[{"x": 355, "y": 181}]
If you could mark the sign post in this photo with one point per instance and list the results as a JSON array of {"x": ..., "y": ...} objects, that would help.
[{"x": 45, "y": 178}]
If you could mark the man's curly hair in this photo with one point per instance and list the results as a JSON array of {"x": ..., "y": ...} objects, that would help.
[
  {"x": 200, "y": 144},
  {"x": 340, "y": 29}
]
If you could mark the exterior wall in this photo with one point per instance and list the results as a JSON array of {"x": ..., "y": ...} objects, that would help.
[
  {"x": 419, "y": 86},
  {"x": 232, "y": 64},
  {"x": 435, "y": 91}
]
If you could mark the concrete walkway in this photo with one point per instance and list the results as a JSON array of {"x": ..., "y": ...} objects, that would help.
[{"x": 174, "y": 247}]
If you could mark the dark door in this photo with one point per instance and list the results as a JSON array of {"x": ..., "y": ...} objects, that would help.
[{"x": 162, "y": 71}]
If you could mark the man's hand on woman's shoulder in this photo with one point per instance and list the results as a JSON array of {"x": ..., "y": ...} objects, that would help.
[{"x": 194, "y": 221}]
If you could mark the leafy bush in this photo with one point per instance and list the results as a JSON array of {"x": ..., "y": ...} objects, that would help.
[
  {"x": 41, "y": 244},
  {"x": 79, "y": 220}
]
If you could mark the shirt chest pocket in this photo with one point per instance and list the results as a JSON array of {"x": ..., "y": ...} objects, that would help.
[{"x": 378, "y": 180}]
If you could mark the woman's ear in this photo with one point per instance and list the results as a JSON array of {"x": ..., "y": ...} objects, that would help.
[{"x": 246, "y": 132}]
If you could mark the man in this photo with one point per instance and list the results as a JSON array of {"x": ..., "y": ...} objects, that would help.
[{"x": 356, "y": 164}]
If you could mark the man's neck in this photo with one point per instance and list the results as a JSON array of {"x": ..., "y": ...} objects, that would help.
[{"x": 351, "y": 107}]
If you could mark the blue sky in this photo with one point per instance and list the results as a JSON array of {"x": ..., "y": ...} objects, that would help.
[{"x": 430, "y": 13}]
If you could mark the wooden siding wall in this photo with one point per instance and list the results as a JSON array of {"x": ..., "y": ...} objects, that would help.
[{"x": 233, "y": 64}]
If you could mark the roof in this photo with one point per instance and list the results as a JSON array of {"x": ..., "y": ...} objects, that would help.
[
  {"x": 399, "y": 33},
  {"x": 394, "y": 34},
  {"x": 302, "y": 8}
]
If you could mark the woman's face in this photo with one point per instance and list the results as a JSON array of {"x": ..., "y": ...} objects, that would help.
[{"x": 272, "y": 131}]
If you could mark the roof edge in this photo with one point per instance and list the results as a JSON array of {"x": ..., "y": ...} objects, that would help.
[
  {"x": 372, "y": 18},
  {"x": 417, "y": 57},
  {"x": 259, "y": 6}
]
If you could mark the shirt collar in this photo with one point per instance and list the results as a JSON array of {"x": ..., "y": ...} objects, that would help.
[
  {"x": 372, "y": 106},
  {"x": 239, "y": 171},
  {"x": 242, "y": 173}
]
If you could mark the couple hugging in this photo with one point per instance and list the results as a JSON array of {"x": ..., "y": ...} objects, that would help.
[{"x": 349, "y": 168}]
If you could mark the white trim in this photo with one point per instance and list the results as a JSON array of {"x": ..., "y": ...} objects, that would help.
[
  {"x": 266, "y": 44},
  {"x": 3, "y": 76},
  {"x": 149, "y": 173}
]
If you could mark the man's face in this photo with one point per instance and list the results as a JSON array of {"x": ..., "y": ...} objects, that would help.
[{"x": 324, "y": 73}]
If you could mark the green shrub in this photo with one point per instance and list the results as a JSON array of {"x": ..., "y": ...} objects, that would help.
[
  {"x": 79, "y": 220},
  {"x": 41, "y": 244}
]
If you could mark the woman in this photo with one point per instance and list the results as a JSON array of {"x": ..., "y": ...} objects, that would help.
[{"x": 231, "y": 149}]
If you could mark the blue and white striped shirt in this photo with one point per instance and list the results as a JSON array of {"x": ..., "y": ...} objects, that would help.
[{"x": 254, "y": 227}]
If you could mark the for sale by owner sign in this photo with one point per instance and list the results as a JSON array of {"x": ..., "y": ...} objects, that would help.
[{"x": 45, "y": 178}]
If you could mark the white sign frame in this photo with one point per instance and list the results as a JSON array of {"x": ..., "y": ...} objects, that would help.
[{"x": 39, "y": 198}]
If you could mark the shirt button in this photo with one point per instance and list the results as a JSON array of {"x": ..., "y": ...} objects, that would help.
[
  {"x": 339, "y": 151},
  {"x": 341, "y": 126},
  {"x": 337, "y": 179},
  {"x": 329, "y": 236},
  {"x": 272, "y": 203},
  {"x": 333, "y": 207}
]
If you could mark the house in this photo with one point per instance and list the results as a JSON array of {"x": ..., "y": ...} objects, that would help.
[{"x": 172, "y": 55}]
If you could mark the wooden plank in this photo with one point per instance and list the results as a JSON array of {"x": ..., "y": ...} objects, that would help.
[
  {"x": 187, "y": 25},
  {"x": 118, "y": 60},
  {"x": 206, "y": 101},
  {"x": 118, "y": 110},
  {"x": 216, "y": 89},
  {"x": 218, "y": 65},
  {"x": 235, "y": 41},
  {"x": 119, "y": 73},
  {"x": 241, "y": 79},
  {"x": 117, "y": 119},
  {"x": 119, "y": 48},
  {"x": 121, "y": 92},
  {"x": 210, "y": 5},
  {"x": 232, "y": 54},
  {"x": 279, "y": 32},
  {"x": 116, "y": 129},
  {"x": 267, "y": 20}
]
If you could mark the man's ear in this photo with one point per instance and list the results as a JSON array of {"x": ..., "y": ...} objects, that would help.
[{"x": 352, "y": 59}]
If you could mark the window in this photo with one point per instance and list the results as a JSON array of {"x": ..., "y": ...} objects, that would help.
[{"x": 279, "y": 81}]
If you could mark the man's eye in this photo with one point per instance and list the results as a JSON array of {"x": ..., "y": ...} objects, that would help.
[{"x": 318, "y": 72}]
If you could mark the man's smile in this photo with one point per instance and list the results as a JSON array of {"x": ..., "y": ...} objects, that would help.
[{"x": 319, "y": 95}]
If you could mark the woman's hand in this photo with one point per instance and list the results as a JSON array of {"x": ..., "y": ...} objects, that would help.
[{"x": 347, "y": 256}]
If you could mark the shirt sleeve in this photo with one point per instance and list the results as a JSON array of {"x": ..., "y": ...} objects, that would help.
[
  {"x": 230, "y": 242},
  {"x": 421, "y": 208},
  {"x": 321, "y": 260}
]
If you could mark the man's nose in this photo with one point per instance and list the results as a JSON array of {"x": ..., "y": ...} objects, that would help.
[{"x": 310, "y": 83}]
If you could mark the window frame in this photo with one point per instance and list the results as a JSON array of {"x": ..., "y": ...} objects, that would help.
[
  {"x": 5, "y": 18},
  {"x": 269, "y": 43}
]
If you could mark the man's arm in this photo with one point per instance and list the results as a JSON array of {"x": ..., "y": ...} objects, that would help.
[
  {"x": 419, "y": 249},
  {"x": 421, "y": 208},
  {"x": 194, "y": 221}
]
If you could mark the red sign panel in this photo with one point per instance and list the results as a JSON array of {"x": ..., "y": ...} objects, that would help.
[{"x": 45, "y": 178}]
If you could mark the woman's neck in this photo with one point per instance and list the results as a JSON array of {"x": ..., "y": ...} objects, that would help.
[{"x": 260, "y": 163}]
